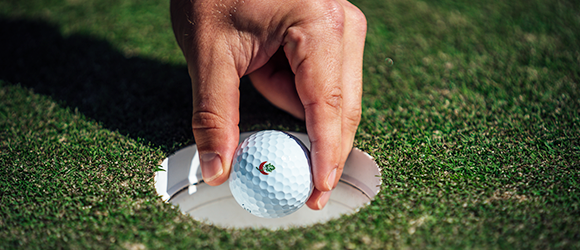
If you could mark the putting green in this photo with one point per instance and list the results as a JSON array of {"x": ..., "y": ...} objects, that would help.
[{"x": 471, "y": 110}]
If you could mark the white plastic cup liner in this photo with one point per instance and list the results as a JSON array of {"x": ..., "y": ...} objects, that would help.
[{"x": 182, "y": 185}]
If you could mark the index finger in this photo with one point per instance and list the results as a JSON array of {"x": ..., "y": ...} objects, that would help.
[{"x": 316, "y": 60}]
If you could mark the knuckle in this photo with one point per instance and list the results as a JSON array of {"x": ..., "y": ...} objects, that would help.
[
  {"x": 335, "y": 11},
  {"x": 334, "y": 100},
  {"x": 207, "y": 120},
  {"x": 352, "y": 117},
  {"x": 359, "y": 20},
  {"x": 333, "y": 15},
  {"x": 330, "y": 100}
]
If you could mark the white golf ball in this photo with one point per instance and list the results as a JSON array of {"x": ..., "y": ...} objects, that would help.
[{"x": 271, "y": 175}]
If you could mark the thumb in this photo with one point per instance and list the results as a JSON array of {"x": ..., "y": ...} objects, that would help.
[
  {"x": 215, "y": 82},
  {"x": 215, "y": 115}
]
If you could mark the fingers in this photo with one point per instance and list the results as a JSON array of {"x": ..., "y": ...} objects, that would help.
[
  {"x": 317, "y": 62},
  {"x": 329, "y": 84},
  {"x": 353, "y": 48},
  {"x": 318, "y": 77},
  {"x": 318, "y": 199}
]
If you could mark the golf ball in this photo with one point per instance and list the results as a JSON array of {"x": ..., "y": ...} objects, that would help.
[{"x": 271, "y": 174}]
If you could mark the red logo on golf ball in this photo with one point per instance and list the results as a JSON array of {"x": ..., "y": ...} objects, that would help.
[{"x": 265, "y": 168}]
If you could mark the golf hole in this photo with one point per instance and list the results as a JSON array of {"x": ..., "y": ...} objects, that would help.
[{"x": 181, "y": 184}]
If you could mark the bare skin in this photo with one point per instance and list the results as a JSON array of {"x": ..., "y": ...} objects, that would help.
[{"x": 304, "y": 56}]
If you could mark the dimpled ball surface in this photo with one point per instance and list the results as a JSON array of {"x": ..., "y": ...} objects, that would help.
[{"x": 271, "y": 175}]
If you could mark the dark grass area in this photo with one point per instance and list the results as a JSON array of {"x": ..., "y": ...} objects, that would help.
[
  {"x": 471, "y": 109},
  {"x": 140, "y": 98}
]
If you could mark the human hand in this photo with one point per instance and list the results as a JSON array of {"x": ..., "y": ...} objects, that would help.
[{"x": 304, "y": 56}]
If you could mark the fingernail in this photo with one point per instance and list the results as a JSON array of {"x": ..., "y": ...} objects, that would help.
[
  {"x": 211, "y": 166},
  {"x": 331, "y": 179},
  {"x": 323, "y": 200}
]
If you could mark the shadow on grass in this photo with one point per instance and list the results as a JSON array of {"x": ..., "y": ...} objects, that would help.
[{"x": 138, "y": 97}]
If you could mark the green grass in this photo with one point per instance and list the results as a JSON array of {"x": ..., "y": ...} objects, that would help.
[{"x": 471, "y": 109}]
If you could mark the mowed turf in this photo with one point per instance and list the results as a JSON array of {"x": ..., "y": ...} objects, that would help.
[{"x": 470, "y": 108}]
